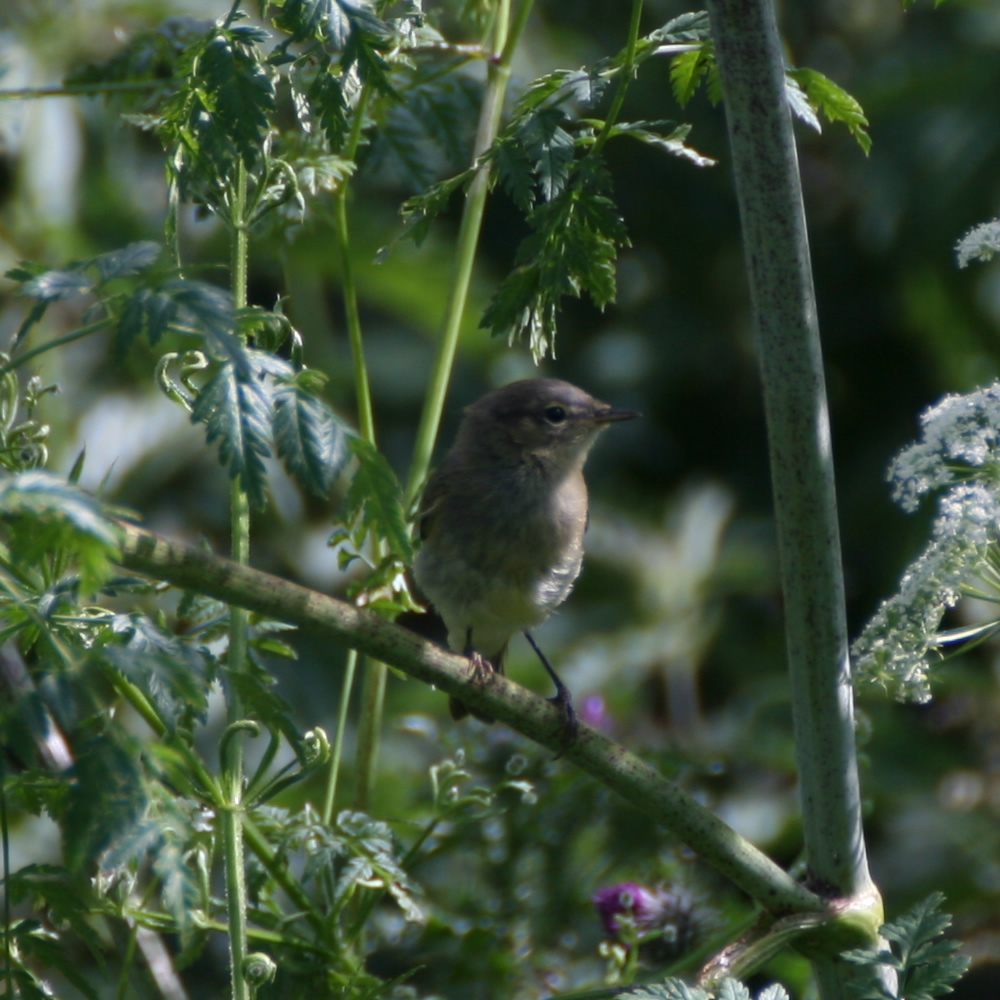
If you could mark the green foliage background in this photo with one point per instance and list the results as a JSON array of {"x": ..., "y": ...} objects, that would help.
[{"x": 682, "y": 639}]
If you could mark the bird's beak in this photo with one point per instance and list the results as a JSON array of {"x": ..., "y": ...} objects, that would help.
[{"x": 611, "y": 416}]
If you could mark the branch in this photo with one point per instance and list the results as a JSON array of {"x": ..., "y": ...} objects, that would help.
[{"x": 633, "y": 779}]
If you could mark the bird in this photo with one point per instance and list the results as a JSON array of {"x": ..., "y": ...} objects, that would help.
[{"x": 502, "y": 521}]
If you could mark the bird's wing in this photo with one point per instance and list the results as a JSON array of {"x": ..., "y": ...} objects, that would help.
[{"x": 430, "y": 501}]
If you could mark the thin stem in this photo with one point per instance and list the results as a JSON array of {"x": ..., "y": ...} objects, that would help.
[
  {"x": 333, "y": 772},
  {"x": 366, "y": 416},
  {"x": 375, "y": 674},
  {"x": 503, "y": 45},
  {"x": 627, "y": 74},
  {"x": 82, "y": 89},
  {"x": 83, "y": 331},
  {"x": 369, "y": 730},
  {"x": 232, "y": 763}
]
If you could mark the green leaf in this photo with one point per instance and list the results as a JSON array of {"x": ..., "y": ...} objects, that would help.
[
  {"x": 128, "y": 261},
  {"x": 172, "y": 674},
  {"x": 732, "y": 989},
  {"x": 349, "y": 27},
  {"x": 54, "y": 285},
  {"x": 513, "y": 168},
  {"x": 669, "y": 989},
  {"x": 237, "y": 90},
  {"x": 550, "y": 146},
  {"x": 322, "y": 172},
  {"x": 693, "y": 26},
  {"x": 42, "y": 948},
  {"x": 237, "y": 413},
  {"x": 572, "y": 250},
  {"x": 254, "y": 688},
  {"x": 307, "y": 436},
  {"x": 689, "y": 70},
  {"x": 838, "y": 105},
  {"x": 166, "y": 834},
  {"x": 208, "y": 311},
  {"x": 375, "y": 498},
  {"x": 106, "y": 799},
  {"x": 152, "y": 56},
  {"x": 65, "y": 896},
  {"x": 420, "y": 211},
  {"x": 927, "y": 964},
  {"x": 672, "y": 143},
  {"x": 327, "y": 104},
  {"x": 191, "y": 307},
  {"x": 50, "y": 517}
]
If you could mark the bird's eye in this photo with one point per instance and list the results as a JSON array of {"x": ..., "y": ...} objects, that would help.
[{"x": 555, "y": 414}]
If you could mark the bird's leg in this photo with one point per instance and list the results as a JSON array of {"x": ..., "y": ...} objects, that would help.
[
  {"x": 562, "y": 700},
  {"x": 482, "y": 668}
]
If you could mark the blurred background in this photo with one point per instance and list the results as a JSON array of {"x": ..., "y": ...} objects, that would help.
[{"x": 673, "y": 639}]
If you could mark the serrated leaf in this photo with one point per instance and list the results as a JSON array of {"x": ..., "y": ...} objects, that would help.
[
  {"x": 732, "y": 989},
  {"x": 128, "y": 261},
  {"x": 327, "y": 104},
  {"x": 106, "y": 799},
  {"x": 238, "y": 91},
  {"x": 834, "y": 102},
  {"x": 672, "y": 143},
  {"x": 669, "y": 989},
  {"x": 323, "y": 173},
  {"x": 694, "y": 26},
  {"x": 513, "y": 168},
  {"x": 799, "y": 104},
  {"x": 237, "y": 413},
  {"x": 927, "y": 963},
  {"x": 209, "y": 312},
  {"x": 376, "y": 499},
  {"x": 58, "y": 518},
  {"x": 447, "y": 110},
  {"x": 420, "y": 211},
  {"x": 773, "y": 992},
  {"x": 688, "y": 71},
  {"x": 307, "y": 436},
  {"x": 55, "y": 285},
  {"x": 571, "y": 250},
  {"x": 550, "y": 147},
  {"x": 172, "y": 674},
  {"x": 254, "y": 689}
]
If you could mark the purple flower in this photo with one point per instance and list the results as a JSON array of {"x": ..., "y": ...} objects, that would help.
[
  {"x": 643, "y": 906},
  {"x": 594, "y": 712}
]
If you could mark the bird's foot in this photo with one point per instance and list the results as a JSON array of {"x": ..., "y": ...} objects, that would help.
[
  {"x": 571, "y": 724},
  {"x": 482, "y": 671}
]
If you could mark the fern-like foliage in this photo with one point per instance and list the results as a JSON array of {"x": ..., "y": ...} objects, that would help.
[
  {"x": 677, "y": 989},
  {"x": 927, "y": 965}
]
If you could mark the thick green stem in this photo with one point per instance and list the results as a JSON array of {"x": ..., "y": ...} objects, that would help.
[
  {"x": 503, "y": 45},
  {"x": 499, "y": 698},
  {"x": 752, "y": 67}
]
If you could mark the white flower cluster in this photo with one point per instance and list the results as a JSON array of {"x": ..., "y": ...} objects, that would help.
[
  {"x": 960, "y": 450},
  {"x": 979, "y": 243},
  {"x": 961, "y": 434}
]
